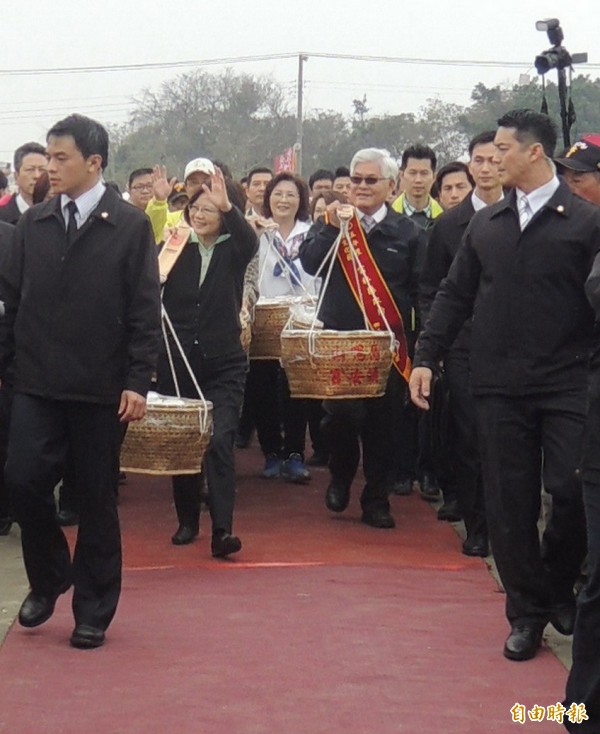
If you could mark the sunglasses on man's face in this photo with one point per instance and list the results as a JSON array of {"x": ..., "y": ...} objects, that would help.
[{"x": 369, "y": 180}]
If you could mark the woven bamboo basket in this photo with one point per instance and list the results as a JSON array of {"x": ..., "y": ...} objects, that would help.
[
  {"x": 172, "y": 438},
  {"x": 327, "y": 364},
  {"x": 270, "y": 316}
]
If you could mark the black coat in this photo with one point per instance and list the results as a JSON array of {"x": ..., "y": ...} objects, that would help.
[
  {"x": 532, "y": 324},
  {"x": 444, "y": 240},
  {"x": 397, "y": 246},
  {"x": 10, "y": 212},
  {"x": 82, "y": 322},
  {"x": 208, "y": 317}
]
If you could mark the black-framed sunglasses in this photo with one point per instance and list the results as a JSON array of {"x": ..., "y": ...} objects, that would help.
[{"x": 369, "y": 180}]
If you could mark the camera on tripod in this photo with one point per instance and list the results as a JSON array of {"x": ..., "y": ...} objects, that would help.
[{"x": 556, "y": 57}]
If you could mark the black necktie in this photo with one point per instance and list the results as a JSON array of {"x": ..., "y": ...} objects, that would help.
[{"x": 72, "y": 225}]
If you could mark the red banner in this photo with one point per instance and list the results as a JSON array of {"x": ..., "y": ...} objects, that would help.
[
  {"x": 372, "y": 293},
  {"x": 286, "y": 161}
]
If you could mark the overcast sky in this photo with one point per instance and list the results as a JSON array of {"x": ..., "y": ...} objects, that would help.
[{"x": 76, "y": 33}]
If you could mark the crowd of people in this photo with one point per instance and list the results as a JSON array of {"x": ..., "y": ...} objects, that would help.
[{"x": 487, "y": 273}]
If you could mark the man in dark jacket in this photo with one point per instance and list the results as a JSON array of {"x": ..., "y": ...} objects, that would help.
[
  {"x": 82, "y": 326},
  {"x": 6, "y": 231},
  {"x": 395, "y": 244},
  {"x": 29, "y": 163},
  {"x": 520, "y": 272},
  {"x": 444, "y": 240}
]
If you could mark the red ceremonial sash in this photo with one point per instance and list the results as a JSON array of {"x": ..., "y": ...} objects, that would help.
[{"x": 371, "y": 290}]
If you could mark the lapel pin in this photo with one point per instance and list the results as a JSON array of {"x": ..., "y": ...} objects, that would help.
[
  {"x": 560, "y": 208},
  {"x": 104, "y": 215}
]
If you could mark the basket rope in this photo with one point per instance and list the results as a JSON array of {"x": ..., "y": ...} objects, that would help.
[
  {"x": 331, "y": 256},
  {"x": 203, "y": 417}
]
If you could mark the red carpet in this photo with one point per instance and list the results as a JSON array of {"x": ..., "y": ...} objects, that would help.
[{"x": 365, "y": 632}]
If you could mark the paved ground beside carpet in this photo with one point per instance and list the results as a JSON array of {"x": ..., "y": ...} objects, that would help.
[{"x": 320, "y": 625}]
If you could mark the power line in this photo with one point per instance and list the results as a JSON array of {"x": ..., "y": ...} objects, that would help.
[{"x": 267, "y": 57}]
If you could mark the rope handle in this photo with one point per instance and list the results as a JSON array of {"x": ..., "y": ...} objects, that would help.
[
  {"x": 166, "y": 321},
  {"x": 359, "y": 271}
]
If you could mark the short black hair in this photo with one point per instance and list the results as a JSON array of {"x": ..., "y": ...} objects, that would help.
[
  {"x": 41, "y": 188},
  {"x": 531, "y": 127},
  {"x": 341, "y": 172},
  {"x": 90, "y": 136},
  {"x": 453, "y": 167},
  {"x": 3, "y": 181},
  {"x": 137, "y": 173},
  {"x": 303, "y": 213},
  {"x": 320, "y": 175},
  {"x": 481, "y": 139},
  {"x": 225, "y": 170},
  {"x": 257, "y": 169},
  {"x": 420, "y": 153},
  {"x": 24, "y": 150}
]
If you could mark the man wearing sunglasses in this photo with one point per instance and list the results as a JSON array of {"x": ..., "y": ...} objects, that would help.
[{"x": 395, "y": 245}]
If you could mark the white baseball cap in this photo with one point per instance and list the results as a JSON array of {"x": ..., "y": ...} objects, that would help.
[{"x": 199, "y": 164}]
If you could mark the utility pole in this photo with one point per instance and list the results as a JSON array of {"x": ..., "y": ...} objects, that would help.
[{"x": 299, "y": 115}]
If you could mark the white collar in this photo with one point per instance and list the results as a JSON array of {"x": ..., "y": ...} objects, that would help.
[
  {"x": 540, "y": 196},
  {"x": 379, "y": 215},
  {"x": 22, "y": 205},
  {"x": 479, "y": 204},
  {"x": 86, "y": 202}
]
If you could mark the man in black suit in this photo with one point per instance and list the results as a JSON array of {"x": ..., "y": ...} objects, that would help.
[
  {"x": 6, "y": 232},
  {"x": 82, "y": 326},
  {"x": 29, "y": 163},
  {"x": 444, "y": 241},
  {"x": 581, "y": 167},
  {"x": 396, "y": 245},
  {"x": 520, "y": 273}
]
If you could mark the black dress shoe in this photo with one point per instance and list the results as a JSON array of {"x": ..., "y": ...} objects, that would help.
[
  {"x": 563, "y": 618},
  {"x": 5, "y": 525},
  {"x": 402, "y": 487},
  {"x": 86, "y": 637},
  {"x": 476, "y": 545},
  {"x": 185, "y": 534},
  {"x": 449, "y": 512},
  {"x": 337, "y": 496},
  {"x": 223, "y": 544},
  {"x": 430, "y": 490},
  {"x": 378, "y": 519},
  {"x": 523, "y": 642},
  {"x": 67, "y": 518},
  {"x": 37, "y": 609}
]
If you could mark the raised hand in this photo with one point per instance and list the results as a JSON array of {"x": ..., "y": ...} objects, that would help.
[
  {"x": 217, "y": 193},
  {"x": 161, "y": 186}
]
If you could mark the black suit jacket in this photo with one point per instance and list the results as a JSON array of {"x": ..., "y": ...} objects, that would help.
[
  {"x": 444, "y": 240},
  {"x": 82, "y": 321},
  {"x": 532, "y": 324},
  {"x": 10, "y": 212}
]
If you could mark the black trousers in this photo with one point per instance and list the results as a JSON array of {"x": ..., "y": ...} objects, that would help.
[
  {"x": 5, "y": 407},
  {"x": 583, "y": 685},
  {"x": 402, "y": 460},
  {"x": 42, "y": 432},
  {"x": 524, "y": 441},
  {"x": 464, "y": 444},
  {"x": 347, "y": 424},
  {"x": 222, "y": 381},
  {"x": 271, "y": 408}
]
